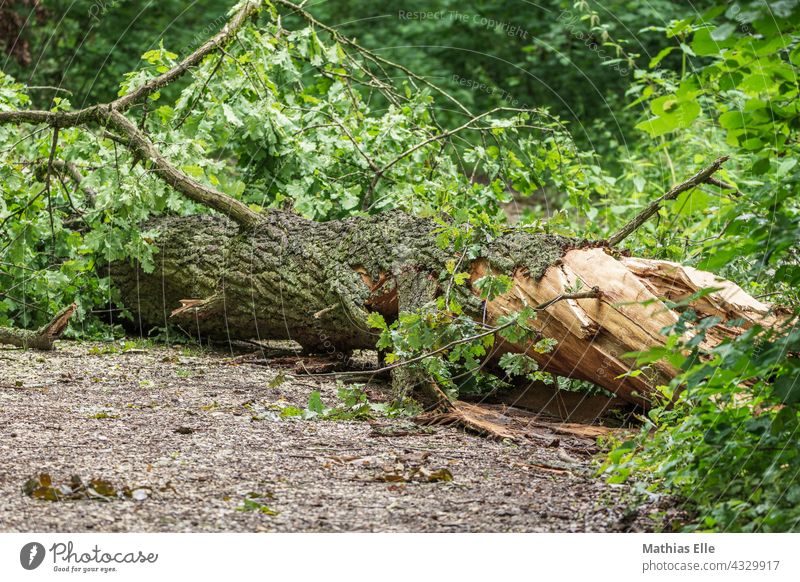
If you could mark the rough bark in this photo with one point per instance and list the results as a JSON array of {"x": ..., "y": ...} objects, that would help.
[
  {"x": 291, "y": 278},
  {"x": 315, "y": 283}
]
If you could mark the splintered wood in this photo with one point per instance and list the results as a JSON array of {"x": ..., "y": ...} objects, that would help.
[
  {"x": 500, "y": 422},
  {"x": 594, "y": 335},
  {"x": 728, "y": 301}
]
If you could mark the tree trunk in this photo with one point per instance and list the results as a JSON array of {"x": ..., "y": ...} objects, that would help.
[{"x": 315, "y": 283}]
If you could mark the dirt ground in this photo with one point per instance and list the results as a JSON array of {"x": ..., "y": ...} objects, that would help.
[{"x": 199, "y": 434}]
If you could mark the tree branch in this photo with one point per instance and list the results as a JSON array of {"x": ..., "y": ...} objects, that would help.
[
  {"x": 41, "y": 339},
  {"x": 144, "y": 148},
  {"x": 593, "y": 292},
  {"x": 110, "y": 115},
  {"x": 701, "y": 177},
  {"x": 73, "y": 172}
]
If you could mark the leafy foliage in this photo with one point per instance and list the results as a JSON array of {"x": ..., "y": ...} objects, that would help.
[
  {"x": 354, "y": 404},
  {"x": 729, "y": 442}
]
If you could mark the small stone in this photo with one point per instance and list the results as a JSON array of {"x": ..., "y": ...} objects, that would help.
[{"x": 140, "y": 494}]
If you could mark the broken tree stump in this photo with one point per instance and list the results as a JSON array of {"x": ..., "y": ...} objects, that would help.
[{"x": 40, "y": 339}]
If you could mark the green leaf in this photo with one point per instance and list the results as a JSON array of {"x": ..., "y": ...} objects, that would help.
[
  {"x": 787, "y": 388},
  {"x": 315, "y": 403},
  {"x": 231, "y": 116},
  {"x": 376, "y": 321},
  {"x": 460, "y": 278},
  {"x": 705, "y": 45},
  {"x": 289, "y": 411},
  {"x": 492, "y": 286}
]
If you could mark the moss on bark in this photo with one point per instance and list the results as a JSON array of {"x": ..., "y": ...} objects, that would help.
[{"x": 291, "y": 278}]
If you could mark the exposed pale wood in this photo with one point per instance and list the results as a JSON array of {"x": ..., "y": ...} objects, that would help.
[
  {"x": 479, "y": 419},
  {"x": 678, "y": 282},
  {"x": 594, "y": 335},
  {"x": 191, "y": 309},
  {"x": 583, "y": 430},
  {"x": 590, "y": 345}
]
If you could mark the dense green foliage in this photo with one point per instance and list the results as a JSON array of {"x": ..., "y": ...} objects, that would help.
[
  {"x": 605, "y": 106},
  {"x": 730, "y": 442}
]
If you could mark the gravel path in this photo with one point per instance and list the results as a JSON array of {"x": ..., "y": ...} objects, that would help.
[{"x": 196, "y": 432}]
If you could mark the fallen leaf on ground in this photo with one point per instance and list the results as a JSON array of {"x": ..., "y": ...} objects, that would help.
[{"x": 42, "y": 487}]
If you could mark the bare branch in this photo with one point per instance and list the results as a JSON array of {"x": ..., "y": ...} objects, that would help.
[
  {"x": 701, "y": 177},
  {"x": 592, "y": 293}
]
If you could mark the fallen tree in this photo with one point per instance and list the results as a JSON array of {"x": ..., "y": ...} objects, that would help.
[
  {"x": 316, "y": 283},
  {"x": 245, "y": 273}
]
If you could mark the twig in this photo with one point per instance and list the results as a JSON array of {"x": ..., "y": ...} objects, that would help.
[
  {"x": 701, "y": 177},
  {"x": 78, "y": 215},
  {"x": 53, "y": 147},
  {"x": 115, "y": 138},
  {"x": 720, "y": 183},
  {"x": 243, "y": 70},
  {"x": 46, "y": 88},
  {"x": 23, "y": 138},
  {"x": 199, "y": 93},
  {"x": 75, "y": 175}
]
